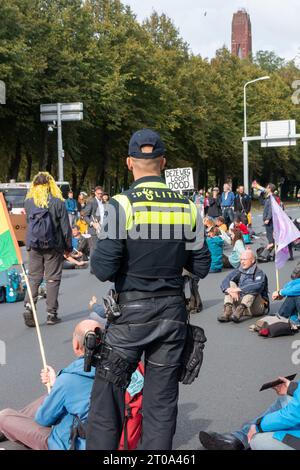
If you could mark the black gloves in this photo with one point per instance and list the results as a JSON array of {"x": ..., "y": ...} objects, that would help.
[{"x": 192, "y": 356}]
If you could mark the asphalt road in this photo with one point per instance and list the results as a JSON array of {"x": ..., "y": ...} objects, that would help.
[{"x": 236, "y": 361}]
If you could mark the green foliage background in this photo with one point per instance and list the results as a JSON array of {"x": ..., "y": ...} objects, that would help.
[{"x": 129, "y": 76}]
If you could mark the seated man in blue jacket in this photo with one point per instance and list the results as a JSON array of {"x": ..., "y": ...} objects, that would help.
[
  {"x": 278, "y": 428},
  {"x": 290, "y": 308},
  {"x": 246, "y": 291},
  {"x": 46, "y": 423}
]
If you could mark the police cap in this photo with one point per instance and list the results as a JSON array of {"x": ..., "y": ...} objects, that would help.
[{"x": 145, "y": 137}]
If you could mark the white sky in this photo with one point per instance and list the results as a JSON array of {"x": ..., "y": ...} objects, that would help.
[{"x": 275, "y": 23}]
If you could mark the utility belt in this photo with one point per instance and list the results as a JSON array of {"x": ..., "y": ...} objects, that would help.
[
  {"x": 132, "y": 296},
  {"x": 115, "y": 369}
]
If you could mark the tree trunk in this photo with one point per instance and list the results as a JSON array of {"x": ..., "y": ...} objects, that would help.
[
  {"x": 104, "y": 161},
  {"x": 125, "y": 181},
  {"x": 28, "y": 167},
  {"x": 44, "y": 155},
  {"x": 49, "y": 163},
  {"x": 83, "y": 175},
  {"x": 74, "y": 179},
  {"x": 15, "y": 162},
  {"x": 197, "y": 174}
]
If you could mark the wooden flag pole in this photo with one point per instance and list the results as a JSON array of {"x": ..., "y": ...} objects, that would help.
[
  {"x": 277, "y": 280},
  {"x": 38, "y": 331},
  {"x": 277, "y": 272}
]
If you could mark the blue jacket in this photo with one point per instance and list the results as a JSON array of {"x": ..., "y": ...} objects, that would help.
[
  {"x": 69, "y": 396},
  {"x": 253, "y": 281},
  {"x": 215, "y": 246},
  {"x": 291, "y": 289},
  {"x": 229, "y": 202},
  {"x": 286, "y": 422},
  {"x": 71, "y": 205}
]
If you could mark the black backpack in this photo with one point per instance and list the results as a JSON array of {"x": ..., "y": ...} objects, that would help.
[
  {"x": 264, "y": 255},
  {"x": 40, "y": 233}
]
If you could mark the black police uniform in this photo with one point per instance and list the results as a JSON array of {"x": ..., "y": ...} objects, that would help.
[{"x": 146, "y": 242}]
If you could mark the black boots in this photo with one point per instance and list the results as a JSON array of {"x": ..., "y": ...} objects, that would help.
[{"x": 217, "y": 441}]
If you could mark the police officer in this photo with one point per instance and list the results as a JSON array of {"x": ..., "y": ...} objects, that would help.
[{"x": 148, "y": 237}]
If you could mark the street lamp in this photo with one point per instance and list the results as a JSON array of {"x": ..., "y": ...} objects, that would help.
[{"x": 245, "y": 151}]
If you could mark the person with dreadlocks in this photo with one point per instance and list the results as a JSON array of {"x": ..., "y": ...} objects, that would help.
[{"x": 49, "y": 236}]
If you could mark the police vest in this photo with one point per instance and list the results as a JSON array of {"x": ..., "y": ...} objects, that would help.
[{"x": 160, "y": 224}]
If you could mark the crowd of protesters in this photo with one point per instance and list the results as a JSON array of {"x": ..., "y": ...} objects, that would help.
[{"x": 46, "y": 423}]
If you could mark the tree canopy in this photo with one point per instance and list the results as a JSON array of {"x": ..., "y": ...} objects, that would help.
[{"x": 130, "y": 75}]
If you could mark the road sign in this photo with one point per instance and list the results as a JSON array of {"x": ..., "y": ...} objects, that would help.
[
  {"x": 65, "y": 107},
  {"x": 68, "y": 112},
  {"x": 49, "y": 117},
  {"x": 180, "y": 179},
  {"x": 60, "y": 112},
  {"x": 278, "y": 133}
]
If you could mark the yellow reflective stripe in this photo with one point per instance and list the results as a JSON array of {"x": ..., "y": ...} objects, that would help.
[
  {"x": 194, "y": 212},
  {"x": 152, "y": 184},
  {"x": 125, "y": 203},
  {"x": 162, "y": 218},
  {"x": 160, "y": 204}
]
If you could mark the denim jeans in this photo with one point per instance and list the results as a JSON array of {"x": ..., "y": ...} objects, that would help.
[
  {"x": 266, "y": 441},
  {"x": 242, "y": 433},
  {"x": 290, "y": 306}
]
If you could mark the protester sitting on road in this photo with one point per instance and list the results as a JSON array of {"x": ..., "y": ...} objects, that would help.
[
  {"x": 290, "y": 308},
  {"x": 208, "y": 224},
  {"x": 72, "y": 263},
  {"x": 97, "y": 310},
  {"x": 243, "y": 228},
  {"x": 220, "y": 223},
  {"x": 246, "y": 291},
  {"x": 45, "y": 424},
  {"x": 215, "y": 245},
  {"x": 82, "y": 224},
  {"x": 278, "y": 428},
  {"x": 80, "y": 245},
  {"x": 237, "y": 241}
]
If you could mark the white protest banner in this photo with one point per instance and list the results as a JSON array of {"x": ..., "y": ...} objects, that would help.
[{"x": 180, "y": 179}]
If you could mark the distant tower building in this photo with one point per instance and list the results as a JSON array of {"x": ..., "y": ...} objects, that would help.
[{"x": 241, "y": 36}]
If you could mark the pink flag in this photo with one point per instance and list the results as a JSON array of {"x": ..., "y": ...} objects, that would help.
[{"x": 285, "y": 232}]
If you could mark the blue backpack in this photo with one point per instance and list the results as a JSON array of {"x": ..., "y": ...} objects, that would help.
[
  {"x": 15, "y": 289},
  {"x": 40, "y": 233}
]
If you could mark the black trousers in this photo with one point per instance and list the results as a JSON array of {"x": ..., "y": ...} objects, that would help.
[
  {"x": 45, "y": 264},
  {"x": 269, "y": 232},
  {"x": 156, "y": 327}
]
